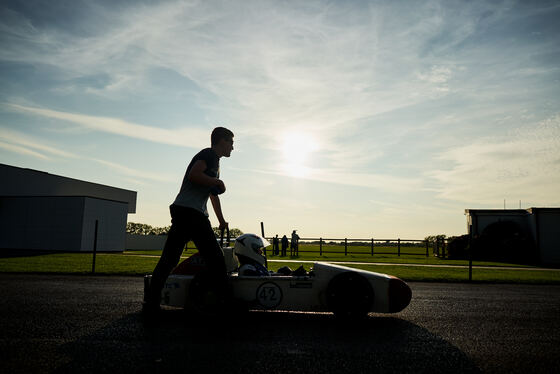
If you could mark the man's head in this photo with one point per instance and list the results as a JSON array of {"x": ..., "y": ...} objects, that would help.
[{"x": 222, "y": 141}]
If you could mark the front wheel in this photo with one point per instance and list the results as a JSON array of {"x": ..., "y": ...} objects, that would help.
[{"x": 349, "y": 295}]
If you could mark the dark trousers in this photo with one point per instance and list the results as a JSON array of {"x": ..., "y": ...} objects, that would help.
[{"x": 188, "y": 224}]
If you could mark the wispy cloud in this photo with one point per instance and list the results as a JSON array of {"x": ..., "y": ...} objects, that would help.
[
  {"x": 22, "y": 150},
  {"x": 31, "y": 146},
  {"x": 185, "y": 137},
  {"x": 524, "y": 164},
  {"x": 399, "y": 96},
  {"x": 14, "y": 141},
  {"x": 268, "y": 65},
  {"x": 137, "y": 174}
]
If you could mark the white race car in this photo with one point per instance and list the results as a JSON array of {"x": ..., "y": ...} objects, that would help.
[{"x": 326, "y": 288}]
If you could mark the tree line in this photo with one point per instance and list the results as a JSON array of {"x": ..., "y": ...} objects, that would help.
[{"x": 144, "y": 229}]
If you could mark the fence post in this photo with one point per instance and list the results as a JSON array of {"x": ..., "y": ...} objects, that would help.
[
  {"x": 437, "y": 247},
  {"x": 427, "y": 248},
  {"x": 345, "y": 246},
  {"x": 399, "y": 245},
  {"x": 94, "y": 247},
  {"x": 320, "y": 246},
  {"x": 372, "y": 246},
  {"x": 470, "y": 257}
]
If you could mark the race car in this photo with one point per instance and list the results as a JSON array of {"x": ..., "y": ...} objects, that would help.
[{"x": 344, "y": 291}]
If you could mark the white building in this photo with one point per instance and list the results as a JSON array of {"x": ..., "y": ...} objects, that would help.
[
  {"x": 41, "y": 211},
  {"x": 541, "y": 224}
]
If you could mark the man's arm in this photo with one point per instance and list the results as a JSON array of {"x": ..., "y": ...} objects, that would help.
[
  {"x": 197, "y": 176},
  {"x": 218, "y": 210}
]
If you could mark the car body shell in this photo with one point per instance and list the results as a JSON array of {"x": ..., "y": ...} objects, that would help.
[{"x": 310, "y": 292}]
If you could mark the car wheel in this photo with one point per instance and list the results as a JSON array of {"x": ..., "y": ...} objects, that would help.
[
  {"x": 349, "y": 295},
  {"x": 204, "y": 297}
]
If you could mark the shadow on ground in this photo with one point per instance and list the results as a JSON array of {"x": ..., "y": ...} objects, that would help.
[{"x": 266, "y": 342}]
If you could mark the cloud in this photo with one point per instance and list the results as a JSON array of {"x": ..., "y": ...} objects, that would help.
[
  {"x": 184, "y": 137},
  {"x": 22, "y": 150},
  {"x": 384, "y": 182},
  {"x": 130, "y": 172},
  {"x": 14, "y": 141},
  {"x": 522, "y": 165},
  {"x": 24, "y": 144}
]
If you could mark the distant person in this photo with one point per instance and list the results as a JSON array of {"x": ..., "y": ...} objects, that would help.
[
  {"x": 294, "y": 246},
  {"x": 284, "y": 245},
  {"x": 189, "y": 220},
  {"x": 275, "y": 246}
]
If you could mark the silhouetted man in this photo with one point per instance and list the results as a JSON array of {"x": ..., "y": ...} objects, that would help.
[
  {"x": 294, "y": 246},
  {"x": 189, "y": 219},
  {"x": 284, "y": 245}
]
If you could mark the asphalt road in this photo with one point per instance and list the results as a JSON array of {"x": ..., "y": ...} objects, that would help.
[{"x": 52, "y": 323}]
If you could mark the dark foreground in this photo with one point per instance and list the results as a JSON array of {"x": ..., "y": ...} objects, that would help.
[{"x": 93, "y": 324}]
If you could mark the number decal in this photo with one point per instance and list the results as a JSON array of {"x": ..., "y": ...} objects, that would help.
[{"x": 269, "y": 295}]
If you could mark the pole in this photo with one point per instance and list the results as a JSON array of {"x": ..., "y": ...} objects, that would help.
[
  {"x": 320, "y": 246},
  {"x": 427, "y": 247},
  {"x": 470, "y": 256},
  {"x": 399, "y": 245},
  {"x": 372, "y": 246},
  {"x": 262, "y": 229},
  {"x": 94, "y": 246},
  {"x": 345, "y": 246}
]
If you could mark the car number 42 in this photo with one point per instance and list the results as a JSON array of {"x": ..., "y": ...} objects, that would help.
[{"x": 269, "y": 295}]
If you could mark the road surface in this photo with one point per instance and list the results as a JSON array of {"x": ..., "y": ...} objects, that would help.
[{"x": 53, "y": 323}]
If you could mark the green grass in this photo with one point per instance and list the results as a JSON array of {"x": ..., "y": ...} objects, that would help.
[{"x": 143, "y": 262}]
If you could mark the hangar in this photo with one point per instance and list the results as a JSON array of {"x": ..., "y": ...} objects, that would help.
[
  {"x": 542, "y": 225},
  {"x": 42, "y": 211}
]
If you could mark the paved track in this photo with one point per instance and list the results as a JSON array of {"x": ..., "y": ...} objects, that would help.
[{"x": 52, "y": 323}]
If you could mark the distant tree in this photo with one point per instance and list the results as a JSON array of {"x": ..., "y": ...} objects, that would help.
[
  {"x": 233, "y": 233},
  {"x": 433, "y": 238},
  {"x": 144, "y": 229},
  {"x": 458, "y": 247}
]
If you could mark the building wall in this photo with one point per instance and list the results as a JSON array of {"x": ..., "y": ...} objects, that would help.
[
  {"x": 549, "y": 236},
  {"x": 27, "y": 182},
  {"x": 48, "y": 223},
  {"x": 59, "y": 223},
  {"x": 486, "y": 218},
  {"x": 145, "y": 242},
  {"x": 111, "y": 230},
  {"x": 543, "y": 224}
]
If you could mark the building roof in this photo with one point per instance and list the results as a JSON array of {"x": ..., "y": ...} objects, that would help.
[
  {"x": 510, "y": 211},
  {"x": 18, "y": 181}
]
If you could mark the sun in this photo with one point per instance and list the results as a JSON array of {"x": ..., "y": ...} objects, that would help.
[{"x": 296, "y": 148}]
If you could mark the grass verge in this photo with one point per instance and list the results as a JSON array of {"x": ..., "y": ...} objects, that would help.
[{"x": 139, "y": 263}]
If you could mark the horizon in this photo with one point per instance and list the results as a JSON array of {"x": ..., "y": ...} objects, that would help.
[{"x": 359, "y": 119}]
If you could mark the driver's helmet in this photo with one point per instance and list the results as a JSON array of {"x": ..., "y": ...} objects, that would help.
[{"x": 250, "y": 247}]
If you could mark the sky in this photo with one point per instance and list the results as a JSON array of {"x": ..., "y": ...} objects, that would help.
[{"x": 358, "y": 119}]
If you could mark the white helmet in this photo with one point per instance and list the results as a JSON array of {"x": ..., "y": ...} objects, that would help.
[{"x": 251, "y": 246}]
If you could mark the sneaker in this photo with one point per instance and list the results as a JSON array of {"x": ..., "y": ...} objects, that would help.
[{"x": 150, "y": 313}]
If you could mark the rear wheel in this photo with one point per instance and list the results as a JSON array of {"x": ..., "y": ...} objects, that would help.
[
  {"x": 205, "y": 295},
  {"x": 349, "y": 295}
]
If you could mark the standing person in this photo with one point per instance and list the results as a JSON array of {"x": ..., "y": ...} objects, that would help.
[
  {"x": 295, "y": 244},
  {"x": 284, "y": 245},
  {"x": 275, "y": 246},
  {"x": 189, "y": 220}
]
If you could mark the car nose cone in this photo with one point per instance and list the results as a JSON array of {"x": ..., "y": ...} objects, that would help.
[{"x": 400, "y": 295}]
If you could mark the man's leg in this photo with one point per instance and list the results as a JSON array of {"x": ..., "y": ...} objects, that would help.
[
  {"x": 177, "y": 238},
  {"x": 206, "y": 243}
]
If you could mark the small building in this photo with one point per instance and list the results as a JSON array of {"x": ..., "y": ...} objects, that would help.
[
  {"x": 542, "y": 225},
  {"x": 42, "y": 211}
]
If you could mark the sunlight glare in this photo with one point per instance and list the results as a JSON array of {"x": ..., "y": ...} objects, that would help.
[{"x": 296, "y": 148}]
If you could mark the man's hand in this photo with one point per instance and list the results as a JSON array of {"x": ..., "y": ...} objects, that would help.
[{"x": 220, "y": 185}]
